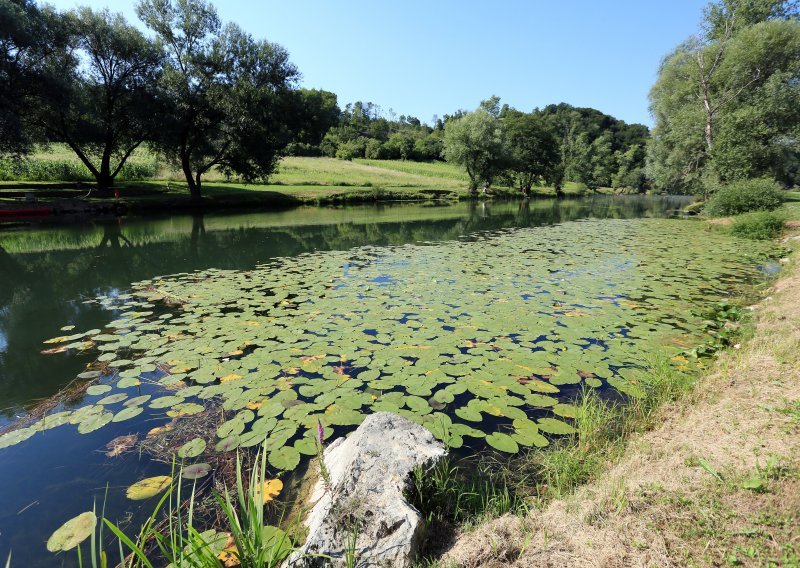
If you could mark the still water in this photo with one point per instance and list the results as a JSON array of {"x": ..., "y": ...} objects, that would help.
[{"x": 48, "y": 275}]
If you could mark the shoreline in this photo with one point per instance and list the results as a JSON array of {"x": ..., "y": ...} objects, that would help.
[{"x": 716, "y": 481}]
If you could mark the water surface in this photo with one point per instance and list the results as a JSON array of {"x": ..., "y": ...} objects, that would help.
[{"x": 599, "y": 272}]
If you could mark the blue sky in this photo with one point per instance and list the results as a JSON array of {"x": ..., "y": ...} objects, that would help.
[{"x": 432, "y": 57}]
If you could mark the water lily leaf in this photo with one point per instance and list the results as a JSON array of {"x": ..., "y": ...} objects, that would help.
[
  {"x": 166, "y": 401},
  {"x": 502, "y": 442},
  {"x": 95, "y": 422},
  {"x": 470, "y": 414},
  {"x": 72, "y": 533},
  {"x": 137, "y": 400},
  {"x": 285, "y": 458},
  {"x": 127, "y": 413},
  {"x": 306, "y": 446},
  {"x": 270, "y": 489},
  {"x": 565, "y": 410},
  {"x": 95, "y": 390},
  {"x": 192, "y": 448},
  {"x": 631, "y": 389},
  {"x": 113, "y": 398},
  {"x": 227, "y": 444},
  {"x": 554, "y": 426},
  {"x": 149, "y": 487},
  {"x": 185, "y": 409},
  {"x": 195, "y": 471},
  {"x": 16, "y": 436}
]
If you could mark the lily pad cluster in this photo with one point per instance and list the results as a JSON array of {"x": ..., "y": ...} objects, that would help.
[{"x": 486, "y": 338}]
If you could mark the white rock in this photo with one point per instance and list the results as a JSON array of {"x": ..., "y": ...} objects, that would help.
[{"x": 370, "y": 471}]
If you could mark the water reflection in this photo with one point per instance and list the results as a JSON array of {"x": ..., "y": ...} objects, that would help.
[{"x": 46, "y": 274}]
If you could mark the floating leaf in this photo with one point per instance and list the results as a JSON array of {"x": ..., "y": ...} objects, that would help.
[
  {"x": 270, "y": 489},
  {"x": 149, "y": 487},
  {"x": 502, "y": 442},
  {"x": 95, "y": 390},
  {"x": 554, "y": 426},
  {"x": 127, "y": 413},
  {"x": 192, "y": 448},
  {"x": 72, "y": 533},
  {"x": 195, "y": 471},
  {"x": 285, "y": 458}
]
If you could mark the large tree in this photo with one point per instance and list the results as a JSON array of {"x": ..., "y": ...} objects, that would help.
[
  {"x": 104, "y": 107},
  {"x": 29, "y": 35},
  {"x": 477, "y": 143},
  {"x": 534, "y": 155},
  {"x": 725, "y": 100},
  {"x": 230, "y": 97}
]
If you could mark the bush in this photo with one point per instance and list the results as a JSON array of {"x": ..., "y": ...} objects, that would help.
[
  {"x": 743, "y": 196},
  {"x": 761, "y": 226}
]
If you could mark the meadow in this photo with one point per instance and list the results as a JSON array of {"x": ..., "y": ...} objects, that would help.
[{"x": 147, "y": 179}]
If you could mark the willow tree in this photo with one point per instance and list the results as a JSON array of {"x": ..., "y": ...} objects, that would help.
[
  {"x": 728, "y": 96},
  {"x": 477, "y": 143},
  {"x": 228, "y": 96}
]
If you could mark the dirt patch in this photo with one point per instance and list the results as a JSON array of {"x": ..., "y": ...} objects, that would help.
[
  {"x": 720, "y": 221},
  {"x": 717, "y": 483}
]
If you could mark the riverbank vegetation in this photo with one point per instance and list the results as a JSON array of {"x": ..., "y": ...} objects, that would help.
[{"x": 704, "y": 474}]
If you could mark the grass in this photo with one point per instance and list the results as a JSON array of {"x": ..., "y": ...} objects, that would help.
[
  {"x": 297, "y": 180},
  {"x": 759, "y": 225},
  {"x": 603, "y": 430},
  {"x": 244, "y": 540}
]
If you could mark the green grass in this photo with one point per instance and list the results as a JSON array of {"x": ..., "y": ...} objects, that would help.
[
  {"x": 603, "y": 429},
  {"x": 297, "y": 180}
]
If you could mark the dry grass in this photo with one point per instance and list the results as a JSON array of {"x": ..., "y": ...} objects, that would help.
[{"x": 677, "y": 497}]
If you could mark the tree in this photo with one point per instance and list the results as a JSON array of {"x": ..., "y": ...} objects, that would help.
[
  {"x": 476, "y": 142},
  {"x": 318, "y": 112},
  {"x": 534, "y": 154},
  {"x": 104, "y": 107},
  {"x": 230, "y": 97},
  {"x": 727, "y": 16},
  {"x": 721, "y": 94},
  {"x": 28, "y": 36}
]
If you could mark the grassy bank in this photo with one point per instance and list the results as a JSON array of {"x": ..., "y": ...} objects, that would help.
[
  {"x": 702, "y": 472},
  {"x": 297, "y": 181}
]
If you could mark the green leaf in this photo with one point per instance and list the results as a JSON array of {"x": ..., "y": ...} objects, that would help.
[{"x": 72, "y": 533}]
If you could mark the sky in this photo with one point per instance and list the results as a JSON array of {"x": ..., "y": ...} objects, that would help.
[{"x": 432, "y": 57}]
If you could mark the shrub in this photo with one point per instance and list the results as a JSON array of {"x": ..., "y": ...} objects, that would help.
[
  {"x": 761, "y": 225},
  {"x": 743, "y": 196}
]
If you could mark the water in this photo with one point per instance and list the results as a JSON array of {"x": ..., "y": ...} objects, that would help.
[{"x": 47, "y": 274}]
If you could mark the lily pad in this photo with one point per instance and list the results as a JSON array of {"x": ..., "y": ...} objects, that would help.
[
  {"x": 285, "y": 458},
  {"x": 502, "y": 442},
  {"x": 72, "y": 533},
  {"x": 147, "y": 488},
  {"x": 195, "y": 471},
  {"x": 192, "y": 448}
]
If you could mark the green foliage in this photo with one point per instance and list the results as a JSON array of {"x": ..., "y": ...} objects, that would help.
[
  {"x": 452, "y": 494},
  {"x": 743, "y": 196},
  {"x": 761, "y": 225},
  {"x": 476, "y": 142},
  {"x": 31, "y": 169},
  {"x": 727, "y": 103},
  {"x": 534, "y": 152},
  {"x": 229, "y": 99}
]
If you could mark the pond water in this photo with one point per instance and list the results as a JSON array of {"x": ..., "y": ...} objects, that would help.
[{"x": 481, "y": 321}]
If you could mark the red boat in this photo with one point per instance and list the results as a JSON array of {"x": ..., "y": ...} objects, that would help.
[{"x": 16, "y": 213}]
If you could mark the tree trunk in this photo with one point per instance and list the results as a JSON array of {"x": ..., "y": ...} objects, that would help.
[{"x": 194, "y": 184}]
